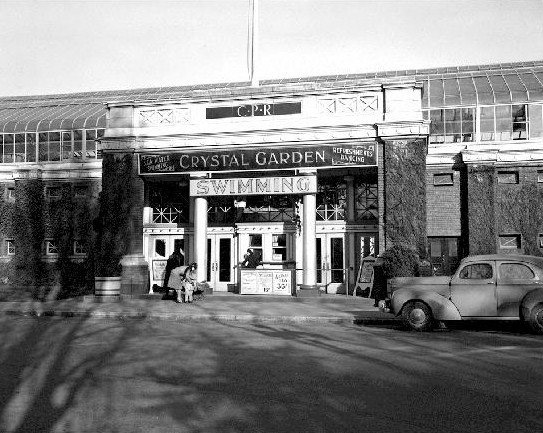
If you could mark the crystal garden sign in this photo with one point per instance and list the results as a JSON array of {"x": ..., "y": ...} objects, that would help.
[{"x": 260, "y": 158}]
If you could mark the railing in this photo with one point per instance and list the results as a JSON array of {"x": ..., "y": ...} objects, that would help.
[
  {"x": 178, "y": 214},
  {"x": 169, "y": 214}
]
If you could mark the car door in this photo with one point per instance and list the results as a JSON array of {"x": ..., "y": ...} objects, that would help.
[
  {"x": 515, "y": 279},
  {"x": 473, "y": 289}
]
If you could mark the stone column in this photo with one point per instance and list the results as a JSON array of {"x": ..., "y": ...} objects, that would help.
[
  {"x": 309, "y": 241},
  {"x": 350, "y": 217},
  {"x": 200, "y": 236},
  {"x": 350, "y": 198}
]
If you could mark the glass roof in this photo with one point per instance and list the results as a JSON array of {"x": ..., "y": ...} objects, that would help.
[{"x": 442, "y": 87}]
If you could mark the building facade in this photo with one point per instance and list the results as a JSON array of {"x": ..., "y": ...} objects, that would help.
[{"x": 311, "y": 175}]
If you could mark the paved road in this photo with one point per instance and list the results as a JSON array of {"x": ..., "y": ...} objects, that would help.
[{"x": 89, "y": 375}]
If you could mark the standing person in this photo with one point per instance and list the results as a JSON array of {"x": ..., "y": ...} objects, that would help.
[
  {"x": 189, "y": 283},
  {"x": 251, "y": 259},
  {"x": 176, "y": 259}
]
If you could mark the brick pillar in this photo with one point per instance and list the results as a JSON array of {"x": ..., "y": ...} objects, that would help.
[
  {"x": 121, "y": 211},
  {"x": 404, "y": 192}
]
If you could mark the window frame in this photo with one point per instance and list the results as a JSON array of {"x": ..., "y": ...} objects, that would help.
[
  {"x": 78, "y": 244},
  {"x": 512, "y": 237},
  {"x": 51, "y": 248},
  {"x": 50, "y": 188},
  {"x": 10, "y": 247},
  {"x": 501, "y": 177},
  {"x": 448, "y": 176}
]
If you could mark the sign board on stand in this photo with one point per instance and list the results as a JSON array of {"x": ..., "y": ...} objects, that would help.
[
  {"x": 159, "y": 269},
  {"x": 265, "y": 282},
  {"x": 364, "y": 281}
]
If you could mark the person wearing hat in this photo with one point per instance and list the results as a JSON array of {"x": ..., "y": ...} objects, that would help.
[{"x": 183, "y": 279}]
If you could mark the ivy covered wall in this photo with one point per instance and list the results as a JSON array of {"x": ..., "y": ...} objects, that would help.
[
  {"x": 31, "y": 219},
  {"x": 496, "y": 209},
  {"x": 481, "y": 215},
  {"x": 7, "y": 210},
  {"x": 519, "y": 210},
  {"x": 405, "y": 193},
  {"x": 120, "y": 224}
]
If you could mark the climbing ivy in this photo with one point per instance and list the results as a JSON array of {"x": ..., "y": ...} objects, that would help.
[
  {"x": 115, "y": 223},
  {"x": 405, "y": 193}
]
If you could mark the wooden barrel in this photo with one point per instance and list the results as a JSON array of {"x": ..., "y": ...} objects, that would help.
[{"x": 107, "y": 287}]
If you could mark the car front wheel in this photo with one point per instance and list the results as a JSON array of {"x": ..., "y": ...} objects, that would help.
[
  {"x": 535, "y": 319},
  {"x": 418, "y": 316}
]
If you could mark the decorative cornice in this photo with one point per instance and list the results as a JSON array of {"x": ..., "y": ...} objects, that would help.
[
  {"x": 320, "y": 135},
  {"x": 54, "y": 171},
  {"x": 400, "y": 129}
]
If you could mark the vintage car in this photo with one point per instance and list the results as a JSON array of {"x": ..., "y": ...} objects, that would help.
[{"x": 496, "y": 287}]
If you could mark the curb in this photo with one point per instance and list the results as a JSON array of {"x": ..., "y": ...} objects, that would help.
[{"x": 244, "y": 318}]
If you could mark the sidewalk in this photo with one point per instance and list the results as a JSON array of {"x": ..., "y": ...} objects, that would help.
[{"x": 217, "y": 307}]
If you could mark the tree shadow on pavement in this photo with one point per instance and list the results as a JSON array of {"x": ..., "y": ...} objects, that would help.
[
  {"x": 248, "y": 377},
  {"x": 44, "y": 371}
]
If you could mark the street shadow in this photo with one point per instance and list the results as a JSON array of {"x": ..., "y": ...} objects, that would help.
[
  {"x": 43, "y": 370},
  {"x": 254, "y": 377}
]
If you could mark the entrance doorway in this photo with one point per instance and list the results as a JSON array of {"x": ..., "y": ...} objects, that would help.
[
  {"x": 220, "y": 261},
  {"x": 444, "y": 255},
  {"x": 160, "y": 247},
  {"x": 330, "y": 261}
]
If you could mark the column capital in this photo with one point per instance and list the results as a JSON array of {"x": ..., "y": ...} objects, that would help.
[{"x": 307, "y": 171}]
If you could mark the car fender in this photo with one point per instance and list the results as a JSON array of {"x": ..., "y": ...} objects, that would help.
[
  {"x": 442, "y": 308},
  {"x": 530, "y": 300}
]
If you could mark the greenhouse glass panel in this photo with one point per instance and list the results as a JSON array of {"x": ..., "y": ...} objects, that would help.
[
  {"x": 54, "y": 146},
  {"x": 31, "y": 147},
  {"x": 43, "y": 146},
  {"x": 487, "y": 123},
  {"x": 536, "y": 120},
  {"x": 78, "y": 144},
  {"x": 520, "y": 129},
  {"x": 484, "y": 91},
  {"x": 19, "y": 148},
  {"x": 8, "y": 147},
  {"x": 66, "y": 145},
  {"x": 453, "y": 127},
  {"x": 437, "y": 126},
  {"x": 468, "y": 120},
  {"x": 504, "y": 122}
]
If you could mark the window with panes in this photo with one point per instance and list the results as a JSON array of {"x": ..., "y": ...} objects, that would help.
[{"x": 49, "y": 146}]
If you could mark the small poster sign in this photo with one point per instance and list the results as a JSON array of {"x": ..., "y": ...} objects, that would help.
[
  {"x": 159, "y": 269},
  {"x": 365, "y": 276}
]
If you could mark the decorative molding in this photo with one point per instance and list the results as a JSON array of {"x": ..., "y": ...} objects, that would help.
[
  {"x": 401, "y": 129},
  {"x": 62, "y": 171},
  {"x": 348, "y": 105},
  {"x": 503, "y": 156},
  {"x": 166, "y": 229},
  {"x": 364, "y": 132},
  {"x": 163, "y": 116}
]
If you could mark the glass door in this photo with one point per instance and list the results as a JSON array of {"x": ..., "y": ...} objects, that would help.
[
  {"x": 330, "y": 261},
  {"x": 162, "y": 247},
  {"x": 220, "y": 261}
]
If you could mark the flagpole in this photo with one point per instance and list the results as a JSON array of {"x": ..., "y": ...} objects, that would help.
[{"x": 253, "y": 43}]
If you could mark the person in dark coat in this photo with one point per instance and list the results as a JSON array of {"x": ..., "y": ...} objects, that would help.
[
  {"x": 176, "y": 259},
  {"x": 379, "y": 281},
  {"x": 251, "y": 259}
]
